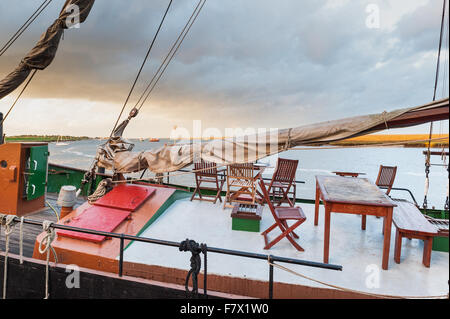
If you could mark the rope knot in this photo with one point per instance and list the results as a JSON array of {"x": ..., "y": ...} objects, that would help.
[
  {"x": 9, "y": 224},
  {"x": 287, "y": 145},
  {"x": 384, "y": 119},
  {"x": 46, "y": 243}
]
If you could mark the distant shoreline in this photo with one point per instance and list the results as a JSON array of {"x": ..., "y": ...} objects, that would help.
[
  {"x": 45, "y": 138},
  {"x": 402, "y": 140}
]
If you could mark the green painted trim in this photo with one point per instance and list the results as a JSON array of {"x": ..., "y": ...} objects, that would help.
[
  {"x": 61, "y": 176},
  {"x": 440, "y": 244},
  {"x": 435, "y": 213},
  {"x": 177, "y": 195},
  {"x": 245, "y": 225}
]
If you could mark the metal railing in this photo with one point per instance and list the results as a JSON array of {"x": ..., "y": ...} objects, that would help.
[
  {"x": 189, "y": 171},
  {"x": 122, "y": 237}
]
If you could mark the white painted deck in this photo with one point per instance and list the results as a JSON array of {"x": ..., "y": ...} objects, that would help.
[{"x": 359, "y": 252}]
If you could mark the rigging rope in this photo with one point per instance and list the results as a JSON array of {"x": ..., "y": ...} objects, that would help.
[
  {"x": 352, "y": 290},
  {"x": 47, "y": 240},
  {"x": 167, "y": 56},
  {"x": 18, "y": 97},
  {"x": 142, "y": 66},
  {"x": 427, "y": 160},
  {"x": 176, "y": 45},
  {"x": 174, "y": 49},
  {"x": 25, "y": 26},
  {"x": 9, "y": 228}
]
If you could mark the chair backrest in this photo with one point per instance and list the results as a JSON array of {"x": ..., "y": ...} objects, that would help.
[
  {"x": 285, "y": 170},
  {"x": 386, "y": 177},
  {"x": 241, "y": 171},
  {"x": 267, "y": 199},
  {"x": 204, "y": 168}
]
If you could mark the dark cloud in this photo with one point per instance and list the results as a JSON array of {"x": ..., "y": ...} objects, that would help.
[{"x": 252, "y": 62}]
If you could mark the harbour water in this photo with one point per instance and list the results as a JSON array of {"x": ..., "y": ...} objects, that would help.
[{"x": 312, "y": 162}]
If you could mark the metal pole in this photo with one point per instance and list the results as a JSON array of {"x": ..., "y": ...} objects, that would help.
[
  {"x": 177, "y": 245},
  {"x": 270, "y": 278},
  {"x": 121, "y": 255},
  {"x": 1, "y": 128}
]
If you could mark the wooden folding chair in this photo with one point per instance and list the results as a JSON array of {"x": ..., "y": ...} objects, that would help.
[
  {"x": 385, "y": 180},
  {"x": 207, "y": 173},
  {"x": 386, "y": 177},
  {"x": 242, "y": 177},
  {"x": 281, "y": 216},
  {"x": 283, "y": 180}
]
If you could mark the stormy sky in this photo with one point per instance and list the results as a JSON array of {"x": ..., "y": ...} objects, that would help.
[{"x": 248, "y": 63}]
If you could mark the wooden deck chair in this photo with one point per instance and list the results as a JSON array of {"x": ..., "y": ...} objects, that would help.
[
  {"x": 241, "y": 184},
  {"x": 283, "y": 182},
  {"x": 385, "y": 180},
  {"x": 281, "y": 216},
  {"x": 386, "y": 177},
  {"x": 207, "y": 173}
]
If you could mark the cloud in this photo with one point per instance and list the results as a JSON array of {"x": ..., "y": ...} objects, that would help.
[{"x": 248, "y": 63}]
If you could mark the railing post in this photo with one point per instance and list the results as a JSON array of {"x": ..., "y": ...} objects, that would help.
[
  {"x": 121, "y": 255},
  {"x": 1, "y": 128},
  {"x": 195, "y": 249},
  {"x": 270, "y": 277}
]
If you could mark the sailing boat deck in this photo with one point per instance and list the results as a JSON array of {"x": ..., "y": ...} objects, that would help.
[{"x": 359, "y": 252}]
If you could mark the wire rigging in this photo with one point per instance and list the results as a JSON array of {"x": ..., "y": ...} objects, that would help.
[
  {"x": 25, "y": 26},
  {"x": 18, "y": 97},
  {"x": 173, "y": 50},
  {"x": 142, "y": 66},
  {"x": 428, "y": 156}
]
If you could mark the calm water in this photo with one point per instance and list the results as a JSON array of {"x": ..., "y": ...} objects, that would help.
[{"x": 410, "y": 162}]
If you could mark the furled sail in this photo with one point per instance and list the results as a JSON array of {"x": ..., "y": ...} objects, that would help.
[
  {"x": 45, "y": 50},
  {"x": 117, "y": 153}
]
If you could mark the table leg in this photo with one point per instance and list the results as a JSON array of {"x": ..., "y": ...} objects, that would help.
[
  {"x": 326, "y": 242},
  {"x": 387, "y": 237},
  {"x": 316, "y": 211},
  {"x": 427, "y": 245},
  {"x": 363, "y": 222},
  {"x": 398, "y": 247}
]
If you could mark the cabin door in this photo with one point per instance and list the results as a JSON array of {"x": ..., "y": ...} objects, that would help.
[{"x": 37, "y": 172}]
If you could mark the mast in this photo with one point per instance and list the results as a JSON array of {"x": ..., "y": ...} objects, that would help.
[{"x": 428, "y": 156}]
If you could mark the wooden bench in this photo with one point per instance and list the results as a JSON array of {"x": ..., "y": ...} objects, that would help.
[{"x": 411, "y": 223}]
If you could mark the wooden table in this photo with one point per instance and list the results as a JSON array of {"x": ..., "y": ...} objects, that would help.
[
  {"x": 350, "y": 174},
  {"x": 353, "y": 196}
]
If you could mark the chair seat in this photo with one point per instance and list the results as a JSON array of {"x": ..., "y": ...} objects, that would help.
[
  {"x": 242, "y": 182},
  {"x": 279, "y": 184},
  {"x": 208, "y": 179},
  {"x": 290, "y": 213}
]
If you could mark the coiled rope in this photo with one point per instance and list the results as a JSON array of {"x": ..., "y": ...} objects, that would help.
[
  {"x": 352, "y": 290},
  {"x": 195, "y": 249},
  {"x": 103, "y": 187},
  {"x": 45, "y": 246}
]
